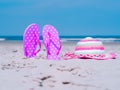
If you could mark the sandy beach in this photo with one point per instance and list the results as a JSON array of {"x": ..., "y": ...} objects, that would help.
[{"x": 20, "y": 73}]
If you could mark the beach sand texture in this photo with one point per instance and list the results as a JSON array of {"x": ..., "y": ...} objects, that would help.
[{"x": 20, "y": 73}]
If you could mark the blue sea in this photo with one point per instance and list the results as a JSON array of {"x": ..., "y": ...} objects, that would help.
[{"x": 67, "y": 38}]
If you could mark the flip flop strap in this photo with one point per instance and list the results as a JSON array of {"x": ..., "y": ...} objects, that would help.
[
  {"x": 51, "y": 41},
  {"x": 38, "y": 42}
]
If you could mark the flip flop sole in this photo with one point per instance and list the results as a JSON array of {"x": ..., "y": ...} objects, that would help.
[
  {"x": 31, "y": 37},
  {"x": 51, "y": 41}
]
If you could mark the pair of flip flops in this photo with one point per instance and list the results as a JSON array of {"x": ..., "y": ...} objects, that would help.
[{"x": 32, "y": 44}]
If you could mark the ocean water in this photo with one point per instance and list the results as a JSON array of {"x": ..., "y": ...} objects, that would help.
[{"x": 67, "y": 38}]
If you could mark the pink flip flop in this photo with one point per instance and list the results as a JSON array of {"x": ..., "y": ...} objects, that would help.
[
  {"x": 52, "y": 42},
  {"x": 31, "y": 40}
]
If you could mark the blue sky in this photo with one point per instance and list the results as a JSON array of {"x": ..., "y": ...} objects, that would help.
[{"x": 70, "y": 17}]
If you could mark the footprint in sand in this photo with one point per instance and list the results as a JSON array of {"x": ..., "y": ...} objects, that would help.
[
  {"x": 45, "y": 81},
  {"x": 48, "y": 81},
  {"x": 84, "y": 86},
  {"x": 81, "y": 72}
]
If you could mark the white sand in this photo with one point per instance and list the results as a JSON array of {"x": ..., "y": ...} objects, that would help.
[{"x": 19, "y": 73}]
